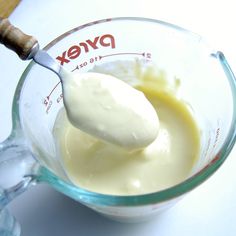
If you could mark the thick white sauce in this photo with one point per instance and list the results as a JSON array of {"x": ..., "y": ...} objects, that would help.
[
  {"x": 105, "y": 168},
  {"x": 109, "y": 109}
]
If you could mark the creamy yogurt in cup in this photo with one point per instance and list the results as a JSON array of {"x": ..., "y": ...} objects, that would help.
[{"x": 102, "y": 167}]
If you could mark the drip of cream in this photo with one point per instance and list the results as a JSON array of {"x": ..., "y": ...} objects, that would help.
[{"x": 109, "y": 109}]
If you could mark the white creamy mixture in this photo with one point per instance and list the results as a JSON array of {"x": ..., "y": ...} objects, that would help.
[
  {"x": 109, "y": 109},
  {"x": 105, "y": 168}
]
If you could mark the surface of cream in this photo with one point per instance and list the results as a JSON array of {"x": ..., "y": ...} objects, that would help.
[
  {"x": 109, "y": 109},
  {"x": 105, "y": 168}
]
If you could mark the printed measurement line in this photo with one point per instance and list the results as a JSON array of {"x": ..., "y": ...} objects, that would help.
[
  {"x": 53, "y": 90},
  {"x": 97, "y": 58},
  {"x": 123, "y": 53}
]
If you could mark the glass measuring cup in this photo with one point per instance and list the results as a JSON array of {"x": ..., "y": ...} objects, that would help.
[{"x": 29, "y": 154}]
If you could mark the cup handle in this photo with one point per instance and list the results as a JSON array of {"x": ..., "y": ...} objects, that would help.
[{"x": 18, "y": 169}]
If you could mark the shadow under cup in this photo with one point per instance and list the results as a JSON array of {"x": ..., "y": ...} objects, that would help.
[{"x": 207, "y": 85}]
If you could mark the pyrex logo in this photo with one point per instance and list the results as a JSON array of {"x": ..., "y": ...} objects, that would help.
[{"x": 106, "y": 40}]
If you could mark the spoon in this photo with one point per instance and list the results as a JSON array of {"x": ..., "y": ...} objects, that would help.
[
  {"x": 119, "y": 115},
  {"x": 26, "y": 46}
]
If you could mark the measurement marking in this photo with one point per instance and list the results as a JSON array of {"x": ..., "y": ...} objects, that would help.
[
  {"x": 76, "y": 68},
  {"x": 123, "y": 53},
  {"x": 53, "y": 90},
  {"x": 100, "y": 57}
]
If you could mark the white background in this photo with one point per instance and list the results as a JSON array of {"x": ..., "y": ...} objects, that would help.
[{"x": 208, "y": 210}]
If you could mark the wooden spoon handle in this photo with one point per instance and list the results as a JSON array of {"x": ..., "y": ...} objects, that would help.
[{"x": 24, "y": 45}]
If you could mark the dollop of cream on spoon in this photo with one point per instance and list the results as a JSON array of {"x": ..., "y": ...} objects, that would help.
[{"x": 109, "y": 109}]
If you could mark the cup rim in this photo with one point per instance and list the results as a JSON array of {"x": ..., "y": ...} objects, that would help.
[{"x": 185, "y": 186}]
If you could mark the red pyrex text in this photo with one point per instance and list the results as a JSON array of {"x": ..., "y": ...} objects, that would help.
[{"x": 106, "y": 40}]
